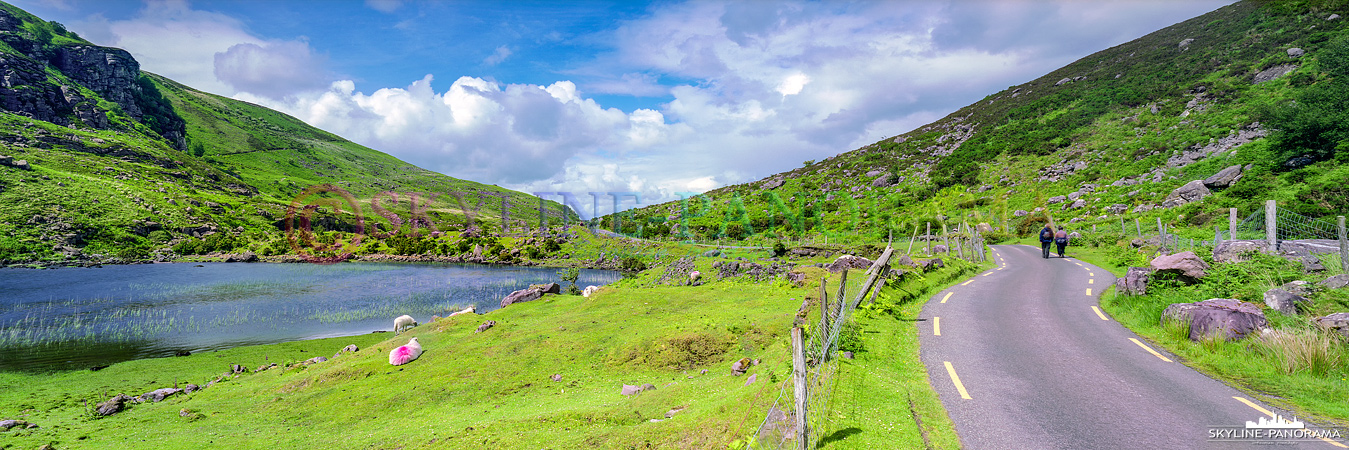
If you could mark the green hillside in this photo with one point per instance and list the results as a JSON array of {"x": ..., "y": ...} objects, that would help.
[
  {"x": 140, "y": 167},
  {"x": 1122, "y": 127}
]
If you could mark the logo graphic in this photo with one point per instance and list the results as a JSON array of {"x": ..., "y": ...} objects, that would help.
[
  {"x": 1277, "y": 422},
  {"x": 300, "y": 220}
]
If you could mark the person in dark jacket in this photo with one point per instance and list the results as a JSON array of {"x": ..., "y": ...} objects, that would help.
[
  {"x": 1061, "y": 240},
  {"x": 1046, "y": 238}
]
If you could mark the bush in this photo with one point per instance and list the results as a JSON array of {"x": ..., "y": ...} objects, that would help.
[
  {"x": 632, "y": 264},
  {"x": 779, "y": 249}
]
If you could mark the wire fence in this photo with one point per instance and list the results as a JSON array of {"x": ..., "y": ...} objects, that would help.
[{"x": 1289, "y": 226}]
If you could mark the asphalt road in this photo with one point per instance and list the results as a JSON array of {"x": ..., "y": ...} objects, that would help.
[{"x": 1040, "y": 368}]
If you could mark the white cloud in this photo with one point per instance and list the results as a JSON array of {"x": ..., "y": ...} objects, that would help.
[
  {"x": 793, "y": 84},
  {"x": 275, "y": 69},
  {"x": 385, "y": 6},
  {"x": 497, "y": 56}
]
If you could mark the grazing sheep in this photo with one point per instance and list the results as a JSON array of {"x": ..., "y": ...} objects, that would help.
[
  {"x": 406, "y": 353},
  {"x": 590, "y": 290},
  {"x": 694, "y": 276},
  {"x": 470, "y": 309},
  {"x": 403, "y": 323}
]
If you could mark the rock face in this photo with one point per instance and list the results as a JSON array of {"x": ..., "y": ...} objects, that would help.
[
  {"x": 521, "y": 296},
  {"x": 1232, "y": 319},
  {"x": 1225, "y": 177},
  {"x": 1134, "y": 282},
  {"x": 1337, "y": 322},
  {"x": 1190, "y": 192},
  {"x": 1285, "y": 302},
  {"x": 1236, "y": 251},
  {"x": 1273, "y": 73},
  {"x": 1187, "y": 264}
]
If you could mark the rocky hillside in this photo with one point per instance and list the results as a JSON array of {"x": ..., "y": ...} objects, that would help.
[
  {"x": 1224, "y": 110},
  {"x": 102, "y": 162}
]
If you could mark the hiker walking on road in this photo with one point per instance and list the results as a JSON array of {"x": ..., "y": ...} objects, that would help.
[
  {"x": 1046, "y": 237},
  {"x": 1060, "y": 240}
]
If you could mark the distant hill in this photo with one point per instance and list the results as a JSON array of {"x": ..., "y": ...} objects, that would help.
[
  {"x": 120, "y": 164},
  {"x": 1258, "y": 88}
]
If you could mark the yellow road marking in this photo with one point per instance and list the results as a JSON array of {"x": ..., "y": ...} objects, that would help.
[
  {"x": 1091, "y": 281},
  {"x": 1150, "y": 350},
  {"x": 947, "y": 297},
  {"x": 1091, "y": 274},
  {"x": 1088, "y": 291},
  {"x": 1078, "y": 263},
  {"x": 936, "y": 326},
  {"x": 956, "y": 379},
  {"x": 1257, "y": 407},
  {"x": 1337, "y": 444},
  {"x": 1000, "y": 267},
  {"x": 989, "y": 273},
  {"x": 967, "y": 282},
  {"x": 1098, "y": 312}
]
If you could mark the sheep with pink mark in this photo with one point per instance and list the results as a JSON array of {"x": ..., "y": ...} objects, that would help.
[{"x": 405, "y": 353}]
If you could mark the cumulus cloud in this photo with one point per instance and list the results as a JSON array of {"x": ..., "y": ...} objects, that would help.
[
  {"x": 275, "y": 69},
  {"x": 498, "y": 56}
]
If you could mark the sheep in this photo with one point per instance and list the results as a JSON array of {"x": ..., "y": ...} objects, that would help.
[
  {"x": 469, "y": 309},
  {"x": 590, "y": 290},
  {"x": 406, "y": 353},
  {"x": 402, "y": 323},
  {"x": 694, "y": 276}
]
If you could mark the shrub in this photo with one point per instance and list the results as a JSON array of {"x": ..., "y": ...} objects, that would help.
[
  {"x": 1308, "y": 349},
  {"x": 632, "y": 264}
]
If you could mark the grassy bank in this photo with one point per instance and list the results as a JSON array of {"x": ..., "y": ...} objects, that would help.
[
  {"x": 1309, "y": 377},
  {"x": 884, "y": 394}
]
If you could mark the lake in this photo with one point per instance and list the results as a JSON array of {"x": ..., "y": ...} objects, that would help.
[{"x": 78, "y": 318}]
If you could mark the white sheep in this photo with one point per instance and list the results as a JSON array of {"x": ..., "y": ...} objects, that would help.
[
  {"x": 590, "y": 290},
  {"x": 402, "y": 323},
  {"x": 694, "y": 276},
  {"x": 406, "y": 353},
  {"x": 468, "y": 310}
]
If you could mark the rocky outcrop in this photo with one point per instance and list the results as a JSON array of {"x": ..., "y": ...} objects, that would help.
[
  {"x": 1237, "y": 251},
  {"x": 1225, "y": 177},
  {"x": 521, "y": 296},
  {"x": 1335, "y": 282},
  {"x": 1231, "y": 319},
  {"x": 1337, "y": 322},
  {"x": 1273, "y": 73},
  {"x": 111, "y": 406},
  {"x": 1190, "y": 192},
  {"x": 1186, "y": 264},
  {"x": 1286, "y": 302}
]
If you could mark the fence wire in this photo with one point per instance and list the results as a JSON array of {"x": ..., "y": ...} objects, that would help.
[{"x": 1288, "y": 226}]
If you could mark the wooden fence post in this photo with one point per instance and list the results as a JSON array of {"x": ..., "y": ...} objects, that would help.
[
  {"x": 1161, "y": 233},
  {"x": 1217, "y": 236},
  {"x": 927, "y": 239},
  {"x": 1138, "y": 226},
  {"x": 1344, "y": 246},
  {"x": 946, "y": 238},
  {"x": 799, "y": 388},
  {"x": 1232, "y": 224},
  {"x": 1272, "y": 225}
]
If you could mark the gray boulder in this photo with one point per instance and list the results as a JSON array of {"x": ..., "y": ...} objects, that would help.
[
  {"x": 6, "y": 424},
  {"x": 352, "y": 348},
  {"x": 1190, "y": 192},
  {"x": 112, "y": 406},
  {"x": 1143, "y": 208},
  {"x": 1285, "y": 302},
  {"x": 485, "y": 326},
  {"x": 881, "y": 181},
  {"x": 521, "y": 296},
  {"x": 1337, "y": 322},
  {"x": 1118, "y": 208},
  {"x": 1185, "y": 263},
  {"x": 901, "y": 260},
  {"x": 1335, "y": 282},
  {"x": 1134, "y": 282},
  {"x": 1020, "y": 213},
  {"x": 1232, "y": 319},
  {"x": 1185, "y": 43},
  {"x": 6, "y": 160},
  {"x": 845, "y": 262},
  {"x": 1273, "y": 73},
  {"x": 1296, "y": 52},
  {"x": 939, "y": 248},
  {"x": 1056, "y": 199},
  {"x": 740, "y": 366},
  {"x": 1225, "y": 177},
  {"x": 158, "y": 395},
  {"x": 316, "y": 360},
  {"x": 712, "y": 253},
  {"x": 1300, "y": 288},
  {"x": 631, "y": 390},
  {"x": 933, "y": 264},
  {"x": 983, "y": 227},
  {"x": 1074, "y": 195},
  {"x": 1079, "y": 203},
  {"x": 550, "y": 288},
  {"x": 1237, "y": 251},
  {"x": 21, "y": 165}
]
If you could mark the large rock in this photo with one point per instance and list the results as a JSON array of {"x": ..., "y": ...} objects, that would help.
[
  {"x": 521, "y": 296},
  {"x": 550, "y": 288},
  {"x": 1056, "y": 199},
  {"x": 1232, "y": 319},
  {"x": 849, "y": 262},
  {"x": 983, "y": 227},
  {"x": 1134, "y": 282},
  {"x": 159, "y": 394},
  {"x": 901, "y": 260},
  {"x": 1300, "y": 288},
  {"x": 1224, "y": 178},
  {"x": 1190, "y": 192},
  {"x": 882, "y": 181},
  {"x": 1186, "y": 263},
  {"x": 1337, "y": 322},
  {"x": 1296, "y": 52},
  {"x": 1237, "y": 251},
  {"x": 6, "y": 424},
  {"x": 1118, "y": 208},
  {"x": 112, "y": 406},
  {"x": 1285, "y": 302},
  {"x": 1020, "y": 213},
  {"x": 1076, "y": 204},
  {"x": 933, "y": 264},
  {"x": 1335, "y": 282},
  {"x": 1273, "y": 73}
]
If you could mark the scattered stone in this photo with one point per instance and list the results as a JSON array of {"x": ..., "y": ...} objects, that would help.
[
  {"x": 933, "y": 264},
  {"x": 1234, "y": 319},
  {"x": 1020, "y": 213},
  {"x": 740, "y": 366},
  {"x": 1335, "y": 282},
  {"x": 750, "y": 380},
  {"x": 236, "y": 369},
  {"x": 648, "y": 387},
  {"x": 264, "y": 367},
  {"x": 845, "y": 262},
  {"x": 671, "y": 413},
  {"x": 983, "y": 227},
  {"x": 350, "y": 349},
  {"x": 158, "y": 395},
  {"x": 6, "y": 424},
  {"x": 550, "y": 288},
  {"x": 939, "y": 248},
  {"x": 315, "y": 360},
  {"x": 631, "y": 390},
  {"x": 712, "y": 253},
  {"x": 1184, "y": 263},
  {"x": 1184, "y": 44},
  {"x": 848, "y": 355},
  {"x": 694, "y": 276},
  {"x": 1300, "y": 288},
  {"x": 1296, "y": 52},
  {"x": 1077, "y": 204},
  {"x": 1273, "y": 73},
  {"x": 114, "y": 405},
  {"x": 1225, "y": 177},
  {"x": 1190, "y": 192},
  {"x": 242, "y": 257},
  {"x": 1311, "y": 264},
  {"x": 1143, "y": 208},
  {"x": 521, "y": 296},
  {"x": 1237, "y": 251},
  {"x": 902, "y": 260},
  {"x": 1285, "y": 302},
  {"x": 1333, "y": 17},
  {"x": 556, "y": 377},
  {"x": 485, "y": 326},
  {"x": 184, "y": 412},
  {"x": 1338, "y": 322},
  {"x": 21, "y": 165},
  {"x": 1056, "y": 199},
  {"x": 1134, "y": 282},
  {"x": 589, "y": 291}
]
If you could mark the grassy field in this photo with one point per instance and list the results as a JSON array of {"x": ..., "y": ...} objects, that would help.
[
  {"x": 1310, "y": 378},
  {"x": 495, "y": 389}
]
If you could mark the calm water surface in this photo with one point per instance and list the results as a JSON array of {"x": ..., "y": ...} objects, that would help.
[{"x": 76, "y": 318}]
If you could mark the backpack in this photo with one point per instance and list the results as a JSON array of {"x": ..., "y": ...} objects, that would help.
[
  {"x": 1046, "y": 235},
  {"x": 1062, "y": 240}
]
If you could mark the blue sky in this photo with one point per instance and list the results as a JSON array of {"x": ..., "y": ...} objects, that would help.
[{"x": 581, "y": 96}]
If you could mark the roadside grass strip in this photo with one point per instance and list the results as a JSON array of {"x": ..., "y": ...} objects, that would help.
[{"x": 1150, "y": 350}]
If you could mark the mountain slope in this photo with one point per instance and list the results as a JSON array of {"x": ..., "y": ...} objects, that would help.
[
  {"x": 125, "y": 164},
  {"x": 1121, "y": 128}
]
